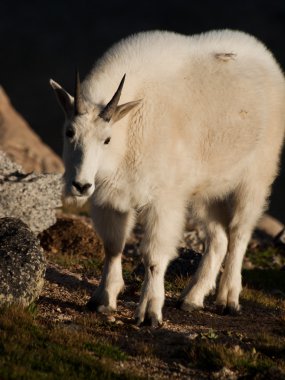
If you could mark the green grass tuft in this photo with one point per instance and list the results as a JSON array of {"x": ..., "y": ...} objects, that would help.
[
  {"x": 269, "y": 258},
  {"x": 263, "y": 299},
  {"x": 214, "y": 356},
  {"x": 30, "y": 350},
  {"x": 85, "y": 264},
  {"x": 272, "y": 346},
  {"x": 105, "y": 350}
]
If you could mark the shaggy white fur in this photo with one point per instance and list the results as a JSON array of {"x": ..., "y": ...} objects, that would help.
[{"x": 205, "y": 132}]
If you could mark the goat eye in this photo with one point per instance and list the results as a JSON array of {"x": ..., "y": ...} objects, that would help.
[
  {"x": 70, "y": 133},
  {"x": 107, "y": 140}
]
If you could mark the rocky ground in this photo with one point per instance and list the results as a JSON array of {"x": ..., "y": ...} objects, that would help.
[{"x": 199, "y": 345}]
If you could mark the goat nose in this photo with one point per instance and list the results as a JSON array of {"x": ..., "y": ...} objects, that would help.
[{"x": 82, "y": 189}]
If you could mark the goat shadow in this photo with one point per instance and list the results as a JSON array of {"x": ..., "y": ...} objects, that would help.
[{"x": 68, "y": 281}]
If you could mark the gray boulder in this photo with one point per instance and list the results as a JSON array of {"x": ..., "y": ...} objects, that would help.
[
  {"x": 22, "y": 263},
  {"x": 33, "y": 198}
]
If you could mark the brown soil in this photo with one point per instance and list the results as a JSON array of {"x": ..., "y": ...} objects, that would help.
[{"x": 73, "y": 236}]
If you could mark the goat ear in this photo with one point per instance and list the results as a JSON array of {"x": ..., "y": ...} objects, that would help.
[
  {"x": 123, "y": 109},
  {"x": 65, "y": 100}
]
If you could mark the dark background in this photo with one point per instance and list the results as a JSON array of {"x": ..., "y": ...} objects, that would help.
[{"x": 43, "y": 39}]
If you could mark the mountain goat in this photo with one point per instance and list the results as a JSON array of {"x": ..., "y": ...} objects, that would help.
[{"x": 197, "y": 122}]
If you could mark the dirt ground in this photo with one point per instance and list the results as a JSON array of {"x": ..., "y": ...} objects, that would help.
[{"x": 197, "y": 345}]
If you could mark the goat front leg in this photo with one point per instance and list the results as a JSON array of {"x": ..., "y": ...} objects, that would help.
[
  {"x": 113, "y": 227},
  {"x": 164, "y": 224}
]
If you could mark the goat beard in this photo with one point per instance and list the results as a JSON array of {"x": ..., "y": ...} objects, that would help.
[{"x": 73, "y": 200}]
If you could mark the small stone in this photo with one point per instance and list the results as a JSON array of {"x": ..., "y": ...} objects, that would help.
[
  {"x": 238, "y": 350},
  {"x": 225, "y": 374},
  {"x": 135, "y": 327},
  {"x": 180, "y": 367},
  {"x": 192, "y": 336}
]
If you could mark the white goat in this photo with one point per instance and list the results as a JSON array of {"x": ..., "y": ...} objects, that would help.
[{"x": 201, "y": 125}]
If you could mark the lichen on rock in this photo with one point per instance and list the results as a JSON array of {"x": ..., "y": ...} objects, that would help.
[
  {"x": 22, "y": 263},
  {"x": 33, "y": 198}
]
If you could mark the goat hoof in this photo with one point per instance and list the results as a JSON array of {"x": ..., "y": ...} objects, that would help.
[
  {"x": 220, "y": 309},
  {"x": 233, "y": 310},
  {"x": 228, "y": 310},
  {"x": 188, "y": 306},
  {"x": 137, "y": 321},
  {"x": 105, "y": 309},
  {"x": 153, "y": 321},
  {"x": 148, "y": 321},
  {"x": 94, "y": 305}
]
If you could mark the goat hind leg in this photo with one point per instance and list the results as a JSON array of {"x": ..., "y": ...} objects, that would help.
[
  {"x": 248, "y": 206},
  {"x": 204, "y": 280}
]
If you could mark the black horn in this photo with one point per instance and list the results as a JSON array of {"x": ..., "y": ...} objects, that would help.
[
  {"x": 110, "y": 108},
  {"x": 78, "y": 102}
]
